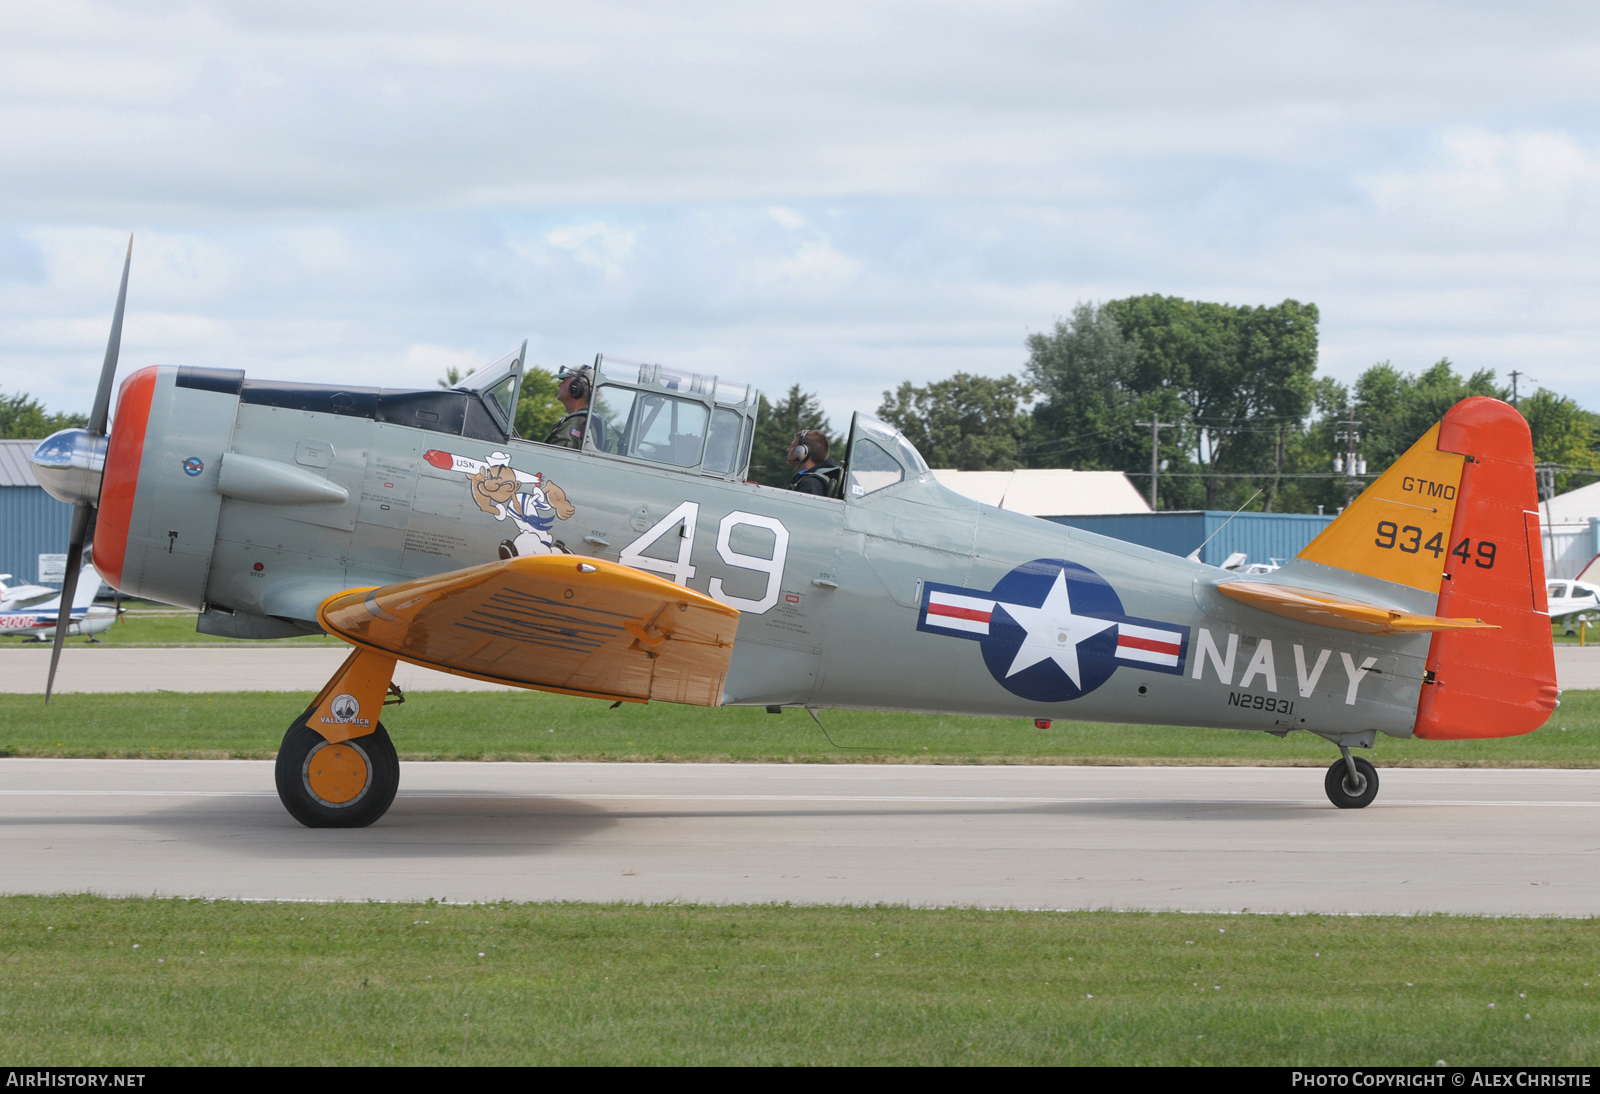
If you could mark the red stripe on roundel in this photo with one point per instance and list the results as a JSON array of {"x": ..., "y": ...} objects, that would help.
[
  {"x": 958, "y": 613},
  {"x": 121, "y": 478},
  {"x": 1151, "y": 644}
]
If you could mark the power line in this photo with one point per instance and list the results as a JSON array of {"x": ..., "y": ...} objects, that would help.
[{"x": 1243, "y": 475}]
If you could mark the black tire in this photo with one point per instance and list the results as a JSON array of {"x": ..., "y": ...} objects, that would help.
[
  {"x": 1339, "y": 790},
  {"x": 295, "y": 776}
]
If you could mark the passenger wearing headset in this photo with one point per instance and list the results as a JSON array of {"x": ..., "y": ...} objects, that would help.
[
  {"x": 576, "y": 386},
  {"x": 814, "y": 472}
]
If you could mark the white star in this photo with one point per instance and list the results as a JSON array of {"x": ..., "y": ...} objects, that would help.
[{"x": 1053, "y": 632}]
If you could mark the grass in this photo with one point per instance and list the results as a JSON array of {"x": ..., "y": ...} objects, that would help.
[
  {"x": 536, "y": 726},
  {"x": 91, "y": 981},
  {"x": 154, "y": 627},
  {"x": 1581, "y": 636}
]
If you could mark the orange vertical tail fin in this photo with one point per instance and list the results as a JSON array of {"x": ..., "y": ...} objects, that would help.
[
  {"x": 1491, "y": 683},
  {"x": 1458, "y": 514}
]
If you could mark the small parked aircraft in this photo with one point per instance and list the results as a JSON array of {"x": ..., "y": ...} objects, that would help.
[
  {"x": 1571, "y": 598},
  {"x": 34, "y": 611},
  {"x": 15, "y": 597},
  {"x": 417, "y": 526}
]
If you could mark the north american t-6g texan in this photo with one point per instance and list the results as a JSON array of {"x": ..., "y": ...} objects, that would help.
[{"x": 417, "y": 526}]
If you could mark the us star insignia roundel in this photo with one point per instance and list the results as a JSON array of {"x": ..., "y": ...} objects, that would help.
[{"x": 1052, "y": 630}]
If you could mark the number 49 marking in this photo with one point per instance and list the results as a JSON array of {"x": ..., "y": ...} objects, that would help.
[
  {"x": 681, "y": 570},
  {"x": 1485, "y": 553}
]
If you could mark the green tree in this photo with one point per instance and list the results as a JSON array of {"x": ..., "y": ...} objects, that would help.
[
  {"x": 23, "y": 416},
  {"x": 1086, "y": 371},
  {"x": 1563, "y": 434},
  {"x": 538, "y": 409},
  {"x": 1395, "y": 408},
  {"x": 970, "y": 423},
  {"x": 1245, "y": 375},
  {"x": 1238, "y": 382},
  {"x": 776, "y": 425}
]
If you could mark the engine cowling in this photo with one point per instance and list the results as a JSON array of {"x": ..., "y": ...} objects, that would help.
[{"x": 158, "y": 500}]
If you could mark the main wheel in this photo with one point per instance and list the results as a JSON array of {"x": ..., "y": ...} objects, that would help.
[
  {"x": 347, "y": 785},
  {"x": 1345, "y": 795}
]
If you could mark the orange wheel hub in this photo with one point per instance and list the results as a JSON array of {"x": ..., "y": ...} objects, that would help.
[{"x": 337, "y": 773}]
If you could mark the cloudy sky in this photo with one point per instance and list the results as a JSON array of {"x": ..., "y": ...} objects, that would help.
[{"x": 841, "y": 194}]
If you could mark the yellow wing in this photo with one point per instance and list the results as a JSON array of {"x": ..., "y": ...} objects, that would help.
[{"x": 553, "y": 623}]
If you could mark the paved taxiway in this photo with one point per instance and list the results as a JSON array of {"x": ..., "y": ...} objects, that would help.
[{"x": 1523, "y": 842}]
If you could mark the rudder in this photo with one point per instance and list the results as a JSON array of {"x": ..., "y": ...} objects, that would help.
[{"x": 1491, "y": 683}]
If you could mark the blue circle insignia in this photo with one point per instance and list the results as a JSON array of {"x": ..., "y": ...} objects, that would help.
[
  {"x": 192, "y": 466},
  {"x": 1052, "y": 617}
]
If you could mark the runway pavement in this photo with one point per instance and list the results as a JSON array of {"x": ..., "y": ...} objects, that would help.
[
  {"x": 1513, "y": 842},
  {"x": 307, "y": 668}
]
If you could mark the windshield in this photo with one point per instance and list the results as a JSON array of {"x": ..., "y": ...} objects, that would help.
[
  {"x": 498, "y": 382},
  {"x": 879, "y": 457}
]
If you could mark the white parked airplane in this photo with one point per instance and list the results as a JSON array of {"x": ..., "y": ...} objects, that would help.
[
  {"x": 33, "y": 610},
  {"x": 1571, "y": 598},
  {"x": 16, "y": 597}
]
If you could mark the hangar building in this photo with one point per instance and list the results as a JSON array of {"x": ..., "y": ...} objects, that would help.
[
  {"x": 32, "y": 523},
  {"x": 1108, "y": 504}
]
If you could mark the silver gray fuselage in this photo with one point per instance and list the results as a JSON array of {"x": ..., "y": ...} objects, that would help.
[{"x": 836, "y": 626}]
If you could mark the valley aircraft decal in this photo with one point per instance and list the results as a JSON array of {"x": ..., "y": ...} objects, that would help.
[{"x": 1052, "y": 630}]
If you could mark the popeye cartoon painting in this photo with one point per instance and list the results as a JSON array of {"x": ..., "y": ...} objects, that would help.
[{"x": 529, "y": 500}]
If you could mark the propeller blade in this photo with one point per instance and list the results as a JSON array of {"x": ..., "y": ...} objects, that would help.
[
  {"x": 108, "y": 371},
  {"x": 83, "y": 512},
  {"x": 69, "y": 586}
]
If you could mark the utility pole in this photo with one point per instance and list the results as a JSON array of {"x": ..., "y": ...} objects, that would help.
[
  {"x": 1514, "y": 375},
  {"x": 1277, "y": 472},
  {"x": 1156, "y": 426},
  {"x": 1545, "y": 475},
  {"x": 1351, "y": 462}
]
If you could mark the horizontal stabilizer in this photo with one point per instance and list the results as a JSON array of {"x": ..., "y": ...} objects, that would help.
[
  {"x": 552, "y": 623},
  {"x": 1340, "y": 612}
]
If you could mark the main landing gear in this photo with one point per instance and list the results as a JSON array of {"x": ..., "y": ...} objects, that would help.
[
  {"x": 345, "y": 785},
  {"x": 337, "y": 767},
  {"x": 1352, "y": 782}
]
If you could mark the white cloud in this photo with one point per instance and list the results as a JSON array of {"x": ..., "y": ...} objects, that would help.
[
  {"x": 849, "y": 194},
  {"x": 814, "y": 266},
  {"x": 423, "y": 365},
  {"x": 1479, "y": 169},
  {"x": 605, "y": 247}
]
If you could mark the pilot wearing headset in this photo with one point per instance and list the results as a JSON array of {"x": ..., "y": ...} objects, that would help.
[
  {"x": 814, "y": 472},
  {"x": 576, "y": 387}
]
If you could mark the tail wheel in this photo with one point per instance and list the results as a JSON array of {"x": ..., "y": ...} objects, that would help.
[
  {"x": 347, "y": 785},
  {"x": 1348, "y": 793}
]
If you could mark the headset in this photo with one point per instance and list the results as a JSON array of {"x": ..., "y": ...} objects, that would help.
[
  {"x": 577, "y": 381},
  {"x": 799, "y": 450}
]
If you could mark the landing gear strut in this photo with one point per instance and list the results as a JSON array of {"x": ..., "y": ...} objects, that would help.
[
  {"x": 1352, "y": 782},
  {"x": 337, "y": 767}
]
